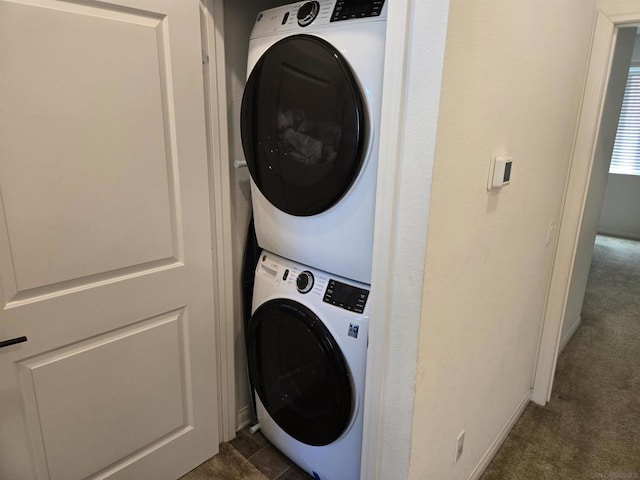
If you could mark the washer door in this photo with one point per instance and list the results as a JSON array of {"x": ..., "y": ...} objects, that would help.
[
  {"x": 299, "y": 372},
  {"x": 302, "y": 124}
]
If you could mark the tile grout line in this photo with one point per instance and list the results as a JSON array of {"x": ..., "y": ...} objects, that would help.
[
  {"x": 256, "y": 452},
  {"x": 285, "y": 471},
  {"x": 281, "y": 474}
]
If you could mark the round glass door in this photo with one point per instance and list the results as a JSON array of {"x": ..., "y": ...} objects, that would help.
[
  {"x": 303, "y": 125},
  {"x": 299, "y": 372}
]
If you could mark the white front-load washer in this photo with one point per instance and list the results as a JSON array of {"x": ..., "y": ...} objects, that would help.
[
  {"x": 310, "y": 124},
  {"x": 307, "y": 351}
]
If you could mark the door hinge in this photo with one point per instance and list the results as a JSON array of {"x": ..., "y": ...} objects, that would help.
[{"x": 205, "y": 58}]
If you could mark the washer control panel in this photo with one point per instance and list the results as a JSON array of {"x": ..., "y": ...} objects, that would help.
[
  {"x": 351, "y": 9},
  {"x": 304, "y": 282},
  {"x": 316, "y": 285},
  {"x": 307, "y": 13},
  {"x": 346, "y": 296}
]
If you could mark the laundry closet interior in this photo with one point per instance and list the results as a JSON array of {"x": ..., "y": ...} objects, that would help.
[{"x": 306, "y": 123}]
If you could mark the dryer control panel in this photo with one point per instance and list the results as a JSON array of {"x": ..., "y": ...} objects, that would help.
[{"x": 301, "y": 17}]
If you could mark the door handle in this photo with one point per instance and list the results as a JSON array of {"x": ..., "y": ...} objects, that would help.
[{"x": 13, "y": 341}]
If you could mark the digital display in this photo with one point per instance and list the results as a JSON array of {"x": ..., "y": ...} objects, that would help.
[
  {"x": 350, "y": 9},
  {"x": 357, "y": 3},
  {"x": 346, "y": 296}
]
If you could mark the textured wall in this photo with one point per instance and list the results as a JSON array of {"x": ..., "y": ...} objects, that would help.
[
  {"x": 513, "y": 78},
  {"x": 404, "y": 183}
]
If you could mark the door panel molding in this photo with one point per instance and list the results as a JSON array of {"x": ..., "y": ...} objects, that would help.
[
  {"x": 81, "y": 377},
  {"x": 26, "y": 297},
  {"x": 59, "y": 155}
]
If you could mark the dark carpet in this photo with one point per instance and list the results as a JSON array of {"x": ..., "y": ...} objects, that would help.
[{"x": 591, "y": 427}]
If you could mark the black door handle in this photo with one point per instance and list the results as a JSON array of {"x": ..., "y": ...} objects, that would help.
[{"x": 13, "y": 341}]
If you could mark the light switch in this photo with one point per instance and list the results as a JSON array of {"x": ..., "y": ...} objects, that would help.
[{"x": 501, "y": 174}]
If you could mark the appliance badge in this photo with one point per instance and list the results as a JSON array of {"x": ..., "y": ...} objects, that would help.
[{"x": 353, "y": 330}]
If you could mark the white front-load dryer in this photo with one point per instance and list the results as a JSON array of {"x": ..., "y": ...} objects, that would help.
[
  {"x": 307, "y": 350},
  {"x": 310, "y": 124}
]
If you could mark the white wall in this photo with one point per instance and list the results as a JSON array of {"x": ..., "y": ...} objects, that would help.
[
  {"x": 513, "y": 77},
  {"x": 238, "y": 22},
  {"x": 416, "y": 33},
  {"x": 598, "y": 181},
  {"x": 620, "y": 215}
]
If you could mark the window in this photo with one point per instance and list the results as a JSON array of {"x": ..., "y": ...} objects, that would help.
[{"x": 626, "y": 150}]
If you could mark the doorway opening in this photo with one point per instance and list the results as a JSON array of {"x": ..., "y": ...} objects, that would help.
[{"x": 604, "y": 89}]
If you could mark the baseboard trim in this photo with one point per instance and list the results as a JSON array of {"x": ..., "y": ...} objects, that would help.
[
  {"x": 574, "y": 328},
  {"x": 626, "y": 236},
  {"x": 497, "y": 443},
  {"x": 243, "y": 417}
]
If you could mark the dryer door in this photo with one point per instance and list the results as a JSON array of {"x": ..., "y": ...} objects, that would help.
[
  {"x": 302, "y": 125},
  {"x": 299, "y": 372}
]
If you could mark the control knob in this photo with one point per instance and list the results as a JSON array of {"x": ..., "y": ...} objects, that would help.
[
  {"x": 307, "y": 13},
  {"x": 304, "y": 282}
]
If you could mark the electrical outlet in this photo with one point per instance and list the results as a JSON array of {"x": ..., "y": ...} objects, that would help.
[{"x": 459, "y": 446}]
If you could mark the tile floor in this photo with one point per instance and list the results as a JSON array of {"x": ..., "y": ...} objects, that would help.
[{"x": 267, "y": 458}]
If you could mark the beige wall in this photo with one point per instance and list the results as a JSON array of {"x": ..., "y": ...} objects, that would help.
[{"x": 513, "y": 77}]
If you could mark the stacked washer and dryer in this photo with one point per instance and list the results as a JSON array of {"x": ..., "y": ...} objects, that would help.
[{"x": 310, "y": 127}]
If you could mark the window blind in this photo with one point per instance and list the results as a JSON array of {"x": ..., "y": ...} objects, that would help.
[{"x": 626, "y": 149}]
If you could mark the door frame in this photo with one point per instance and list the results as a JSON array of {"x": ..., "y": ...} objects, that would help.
[
  {"x": 610, "y": 17},
  {"x": 400, "y": 230},
  {"x": 214, "y": 77}
]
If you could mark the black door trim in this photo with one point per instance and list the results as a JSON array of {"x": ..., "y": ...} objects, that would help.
[
  {"x": 299, "y": 372},
  {"x": 303, "y": 125}
]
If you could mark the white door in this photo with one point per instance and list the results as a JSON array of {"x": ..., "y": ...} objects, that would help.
[{"x": 105, "y": 253}]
